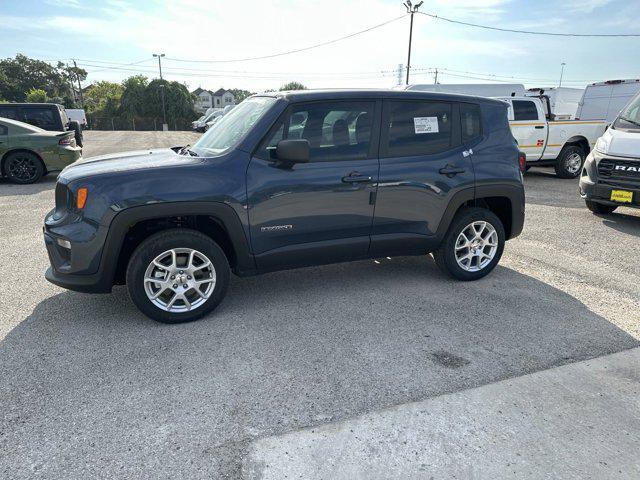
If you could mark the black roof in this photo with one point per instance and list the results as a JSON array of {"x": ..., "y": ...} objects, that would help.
[{"x": 339, "y": 94}]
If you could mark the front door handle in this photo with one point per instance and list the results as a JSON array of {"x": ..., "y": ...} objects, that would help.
[
  {"x": 451, "y": 170},
  {"x": 539, "y": 127},
  {"x": 354, "y": 177}
]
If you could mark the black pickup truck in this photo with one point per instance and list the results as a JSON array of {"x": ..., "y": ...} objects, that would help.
[
  {"x": 48, "y": 116},
  {"x": 286, "y": 180}
]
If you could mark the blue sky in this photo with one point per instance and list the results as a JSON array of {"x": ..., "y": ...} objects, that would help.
[{"x": 108, "y": 36}]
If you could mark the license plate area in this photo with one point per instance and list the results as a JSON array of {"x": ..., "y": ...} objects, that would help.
[{"x": 621, "y": 196}]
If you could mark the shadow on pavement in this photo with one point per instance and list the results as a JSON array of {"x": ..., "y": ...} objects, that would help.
[
  {"x": 92, "y": 388},
  {"x": 622, "y": 222},
  {"x": 48, "y": 182}
]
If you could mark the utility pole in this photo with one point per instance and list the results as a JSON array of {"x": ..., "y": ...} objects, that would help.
[
  {"x": 79, "y": 86},
  {"x": 165, "y": 127},
  {"x": 435, "y": 77},
  {"x": 410, "y": 9},
  {"x": 561, "y": 73}
]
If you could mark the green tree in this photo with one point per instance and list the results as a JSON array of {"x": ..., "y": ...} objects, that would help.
[
  {"x": 103, "y": 98},
  {"x": 240, "y": 94},
  {"x": 178, "y": 100},
  {"x": 132, "y": 103},
  {"x": 21, "y": 74},
  {"x": 36, "y": 95},
  {"x": 292, "y": 86}
]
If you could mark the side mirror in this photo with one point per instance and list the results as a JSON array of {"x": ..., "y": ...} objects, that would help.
[{"x": 292, "y": 151}]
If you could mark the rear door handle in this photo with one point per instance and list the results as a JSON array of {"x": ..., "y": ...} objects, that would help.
[
  {"x": 355, "y": 177},
  {"x": 451, "y": 170}
]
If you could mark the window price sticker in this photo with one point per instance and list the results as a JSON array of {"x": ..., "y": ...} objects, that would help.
[{"x": 425, "y": 125}]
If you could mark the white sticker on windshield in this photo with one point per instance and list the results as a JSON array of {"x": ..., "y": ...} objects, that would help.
[{"x": 425, "y": 124}]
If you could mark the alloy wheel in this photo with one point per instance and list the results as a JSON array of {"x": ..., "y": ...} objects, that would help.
[
  {"x": 476, "y": 246},
  {"x": 573, "y": 163},
  {"x": 179, "y": 280},
  {"x": 22, "y": 168}
]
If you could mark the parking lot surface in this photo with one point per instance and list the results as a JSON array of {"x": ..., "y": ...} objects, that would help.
[{"x": 92, "y": 388}]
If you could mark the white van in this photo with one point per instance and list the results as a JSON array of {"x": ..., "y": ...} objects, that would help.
[
  {"x": 611, "y": 175},
  {"x": 604, "y": 100},
  {"x": 77, "y": 114}
]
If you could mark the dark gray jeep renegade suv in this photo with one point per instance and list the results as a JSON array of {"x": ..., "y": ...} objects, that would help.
[{"x": 286, "y": 180}]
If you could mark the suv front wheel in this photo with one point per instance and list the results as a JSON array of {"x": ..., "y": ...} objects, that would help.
[
  {"x": 472, "y": 246},
  {"x": 177, "y": 276}
]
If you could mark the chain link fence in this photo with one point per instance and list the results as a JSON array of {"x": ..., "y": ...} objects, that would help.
[{"x": 136, "y": 123}]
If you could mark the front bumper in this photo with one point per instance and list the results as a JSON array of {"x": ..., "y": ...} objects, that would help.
[{"x": 596, "y": 189}]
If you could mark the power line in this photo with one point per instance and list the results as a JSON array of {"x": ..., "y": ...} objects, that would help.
[
  {"x": 528, "y": 32},
  {"x": 289, "y": 52}
]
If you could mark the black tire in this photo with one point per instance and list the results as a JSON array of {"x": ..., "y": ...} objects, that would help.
[
  {"x": 566, "y": 166},
  {"x": 164, "y": 241},
  {"x": 445, "y": 256},
  {"x": 75, "y": 127},
  {"x": 23, "y": 167},
  {"x": 600, "y": 208}
]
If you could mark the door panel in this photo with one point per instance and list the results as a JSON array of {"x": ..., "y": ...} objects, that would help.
[
  {"x": 320, "y": 211},
  {"x": 415, "y": 189},
  {"x": 527, "y": 127}
]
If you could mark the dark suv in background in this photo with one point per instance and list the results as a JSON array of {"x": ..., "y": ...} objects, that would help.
[
  {"x": 286, "y": 180},
  {"x": 48, "y": 116}
]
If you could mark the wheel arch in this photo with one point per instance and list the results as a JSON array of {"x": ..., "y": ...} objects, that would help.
[
  {"x": 580, "y": 141},
  {"x": 132, "y": 226},
  {"x": 506, "y": 201}
]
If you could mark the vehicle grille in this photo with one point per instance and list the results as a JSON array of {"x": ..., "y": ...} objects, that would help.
[{"x": 607, "y": 169}]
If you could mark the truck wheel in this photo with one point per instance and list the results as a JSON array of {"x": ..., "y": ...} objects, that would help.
[
  {"x": 570, "y": 161},
  {"x": 177, "y": 276},
  {"x": 23, "y": 167},
  {"x": 600, "y": 208},
  {"x": 472, "y": 246}
]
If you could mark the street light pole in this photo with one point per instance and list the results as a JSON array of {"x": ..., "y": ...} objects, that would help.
[
  {"x": 165, "y": 127},
  {"x": 561, "y": 73},
  {"x": 410, "y": 9}
]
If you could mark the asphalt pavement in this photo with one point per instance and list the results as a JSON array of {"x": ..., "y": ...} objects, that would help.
[{"x": 90, "y": 388}]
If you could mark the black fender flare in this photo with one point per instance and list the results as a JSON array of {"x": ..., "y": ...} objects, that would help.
[
  {"x": 513, "y": 192},
  {"x": 121, "y": 221}
]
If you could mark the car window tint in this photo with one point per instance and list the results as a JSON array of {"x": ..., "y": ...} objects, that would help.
[
  {"x": 524, "y": 110},
  {"x": 470, "y": 121},
  {"x": 335, "y": 130},
  {"x": 8, "y": 112},
  {"x": 418, "y": 128},
  {"x": 40, "y": 117}
]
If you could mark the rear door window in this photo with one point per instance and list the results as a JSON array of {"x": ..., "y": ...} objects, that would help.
[
  {"x": 41, "y": 117},
  {"x": 418, "y": 128},
  {"x": 471, "y": 127},
  {"x": 524, "y": 110}
]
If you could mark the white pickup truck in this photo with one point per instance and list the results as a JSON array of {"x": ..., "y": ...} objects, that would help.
[{"x": 562, "y": 144}]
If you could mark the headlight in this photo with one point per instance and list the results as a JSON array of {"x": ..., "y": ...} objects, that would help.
[{"x": 602, "y": 146}]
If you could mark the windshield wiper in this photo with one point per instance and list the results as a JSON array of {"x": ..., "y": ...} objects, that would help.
[
  {"x": 186, "y": 149},
  {"x": 630, "y": 121}
]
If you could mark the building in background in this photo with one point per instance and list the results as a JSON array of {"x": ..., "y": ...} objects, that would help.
[{"x": 206, "y": 99}]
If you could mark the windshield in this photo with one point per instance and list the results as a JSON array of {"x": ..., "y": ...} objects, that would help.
[
  {"x": 629, "y": 118},
  {"x": 227, "y": 132}
]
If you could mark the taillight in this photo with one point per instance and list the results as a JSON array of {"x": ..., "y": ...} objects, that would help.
[
  {"x": 522, "y": 161},
  {"x": 68, "y": 140}
]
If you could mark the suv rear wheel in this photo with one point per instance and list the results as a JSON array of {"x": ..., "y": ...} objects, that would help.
[
  {"x": 472, "y": 246},
  {"x": 570, "y": 162},
  {"x": 177, "y": 276},
  {"x": 600, "y": 208}
]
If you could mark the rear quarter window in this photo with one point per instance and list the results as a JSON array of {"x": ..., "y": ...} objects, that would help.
[
  {"x": 470, "y": 122},
  {"x": 418, "y": 128},
  {"x": 3, "y": 130}
]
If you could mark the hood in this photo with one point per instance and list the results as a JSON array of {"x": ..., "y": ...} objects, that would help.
[
  {"x": 126, "y": 161},
  {"x": 621, "y": 143}
]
